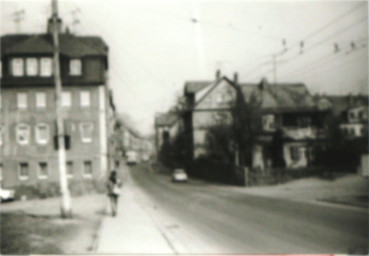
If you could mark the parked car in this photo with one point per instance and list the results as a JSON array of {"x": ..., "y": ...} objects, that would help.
[
  {"x": 179, "y": 175},
  {"x": 6, "y": 194},
  {"x": 145, "y": 158},
  {"x": 132, "y": 157}
]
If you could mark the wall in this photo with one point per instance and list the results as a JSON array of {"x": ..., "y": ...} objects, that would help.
[{"x": 12, "y": 153}]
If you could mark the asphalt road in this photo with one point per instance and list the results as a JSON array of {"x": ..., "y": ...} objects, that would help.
[{"x": 200, "y": 218}]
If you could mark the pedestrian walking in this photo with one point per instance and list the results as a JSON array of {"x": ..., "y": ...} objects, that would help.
[{"x": 114, "y": 185}]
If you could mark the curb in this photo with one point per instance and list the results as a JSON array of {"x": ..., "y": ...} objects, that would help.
[{"x": 336, "y": 201}]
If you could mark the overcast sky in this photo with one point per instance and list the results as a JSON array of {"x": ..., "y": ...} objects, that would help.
[{"x": 155, "y": 46}]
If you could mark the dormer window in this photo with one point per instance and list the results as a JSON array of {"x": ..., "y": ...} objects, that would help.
[
  {"x": 46, "y": 67},
  {"x": 31, "y": 67},
  {"x": 17, "y": 67},
  {"x": 75, "y": 67}
]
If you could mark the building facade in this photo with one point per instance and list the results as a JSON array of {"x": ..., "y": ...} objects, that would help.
[{"x": 28, "y": 109}]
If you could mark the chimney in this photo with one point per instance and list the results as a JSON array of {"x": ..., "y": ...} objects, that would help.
[
  {"x": 67, "y": 31},
  {"x": 218, "y": 74},
  {"x": 351, "y": 100},
  {"x": 263, "y": 84},
  {"x": 235, "y": 78},
  {"x": 50, "y": 25}
]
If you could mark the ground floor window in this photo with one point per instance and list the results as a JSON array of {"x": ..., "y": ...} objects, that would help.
[
  {"x": 295, "y": 153},
  {"x": 43, "y": 171},
  {"x": 69, "y": 169},
  {"x": 23, "y": 171},
  {"x": 87, "y": 168}
]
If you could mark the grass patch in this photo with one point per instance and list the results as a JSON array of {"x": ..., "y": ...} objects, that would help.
[{"x": 23, "y": 234}]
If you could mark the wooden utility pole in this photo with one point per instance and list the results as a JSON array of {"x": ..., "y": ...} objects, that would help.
[
  {"x": 66, "y": 211},
  {"x": 274, "y": 69}
]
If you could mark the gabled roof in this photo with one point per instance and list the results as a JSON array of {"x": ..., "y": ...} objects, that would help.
[
  {"x": 280, "y": 96},
  {"x": 195, "y": 86},
  {"x": 70, "y": 45}
]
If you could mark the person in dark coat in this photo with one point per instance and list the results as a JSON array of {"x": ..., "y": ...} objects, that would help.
[{"x": 114, "y": 187}]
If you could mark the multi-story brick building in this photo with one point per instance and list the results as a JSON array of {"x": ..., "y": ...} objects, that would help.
[{"x": 28, "y": 111}]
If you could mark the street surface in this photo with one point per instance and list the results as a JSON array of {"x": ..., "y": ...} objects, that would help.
[{"x": 201, "y": 218}]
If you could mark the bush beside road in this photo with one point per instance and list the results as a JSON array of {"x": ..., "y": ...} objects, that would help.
[{"x": 35, "y": 226}]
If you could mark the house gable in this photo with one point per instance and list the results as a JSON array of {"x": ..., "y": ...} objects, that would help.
[{"x": 218, "y": 96}]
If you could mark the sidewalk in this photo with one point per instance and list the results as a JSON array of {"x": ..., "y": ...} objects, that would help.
[{"x": 132, "y": 231}]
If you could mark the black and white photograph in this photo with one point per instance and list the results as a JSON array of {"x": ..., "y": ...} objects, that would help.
[{"x": 193, "y": 127}]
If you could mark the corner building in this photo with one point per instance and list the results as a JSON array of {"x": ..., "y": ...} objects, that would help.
[{"x": 28, "y": 108}]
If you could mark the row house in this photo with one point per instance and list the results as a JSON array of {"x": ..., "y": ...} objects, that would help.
[
  {"x": 28, "y": 111},
  {"x": 127, "y": 139}
]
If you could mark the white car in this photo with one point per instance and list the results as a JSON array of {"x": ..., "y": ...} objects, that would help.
[
  {"x": 145, "y": 158},
  {"x": 131, "y": 157},
  {"x": 179, "y": 175},
  {"x": 6, "y": 194}
]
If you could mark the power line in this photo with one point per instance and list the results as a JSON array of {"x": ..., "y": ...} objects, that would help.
[
  {"x": 312, "y": 34},
  {"x": 317, "y": 63}
]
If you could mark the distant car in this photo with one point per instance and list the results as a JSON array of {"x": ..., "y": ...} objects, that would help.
[
  {"x": 6, "y": 194},
  {"x": 179, "y": 175},
  {"x": 145, "y": 158},
  {"x": 131, "y": 157}
]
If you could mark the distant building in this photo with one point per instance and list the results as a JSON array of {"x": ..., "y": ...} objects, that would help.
[
  {"x": 163, "y": 124},
  {"x": 28, "y": 129},
  {"x": 352, "y": 113}
]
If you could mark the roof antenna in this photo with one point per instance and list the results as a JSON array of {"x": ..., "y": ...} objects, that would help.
[
  {"x": 76, "y": 20},
  {"x": 18, "y": 16}
]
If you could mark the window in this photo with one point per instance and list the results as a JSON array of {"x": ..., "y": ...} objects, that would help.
[
  {"x": 46, "y": 67},
  {"x": 352, "y": 115},
  {"x": 85, "y": 98},
  {"x": 22, "y": 100},
  {"x": 42, "y": 133},
  {"x": 31, "y": 67},
  {"x": 69, "y": 169},
  {"x": 363, "y": 131},
  {"x": 43, "y": 171},
  {"x": 75, "y": 67},
  {"x": 40, "y": 99},
  {"x": 87, "y": 168},
  {"x": 17, "y": 67},
  {"x": 22, "y": 133},
  {"x": 304, "y": 122},
  {"x": 66, "y": 99},
  {"x": 86, "y": 132},
  {"x": 268, "y": 122},
  {"x": 23, "y": 171},
  {"x": 295, "y": 153},
  {"x": 220, "y": 98}
]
